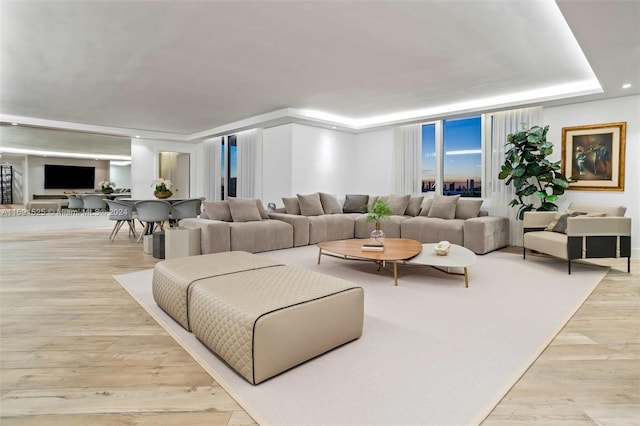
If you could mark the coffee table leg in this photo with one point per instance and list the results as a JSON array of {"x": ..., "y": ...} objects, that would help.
[
  {"x": 319, "y": 255},
  {"x": 395, "y": 273},
  {"x": 466, "y": 278}
]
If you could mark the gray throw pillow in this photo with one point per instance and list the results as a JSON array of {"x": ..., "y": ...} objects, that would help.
[
  {"x": 291, "y": 205},
  {"x": 355, "y": 203},
  {"x": 444, "y": 206},
  {"x": 426, "y": 206},
  {"x": 330, "y": 204},
  {"x": 310, "y": 204},
  {"x": 216, "y": 210},
  {"x": 263, "y": 212},
  {"x": 466, "y": 209},
  {"x": 398, "y": 203},
  {"x": 561, "y": 224},
  {"x": 414, "y": 206},
  {"x": 244, "y": 210}
]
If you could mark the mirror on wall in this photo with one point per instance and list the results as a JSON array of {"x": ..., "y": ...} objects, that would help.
[{"x": 175, "y": 166}]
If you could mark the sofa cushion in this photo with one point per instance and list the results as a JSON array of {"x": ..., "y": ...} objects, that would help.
[
  {"x": 414, "y": 206},
  {"x": 330, "y": 204},
  {"x": 426, "y": 206},
  {"x": 398, "y": 203},
  {"x": 355, "y": 203},
  {"x": 291, "y": 205},
  {"x": 559, "y": 223},
  {"x": 609, "y": 210},
  {"x": 244, "y": 210},
  {"x": 468, "y": 208},
  {"x": 310, "y": 204},
  {"x": 216, "y": 210},
  {"x": 263, "y": 212},
  {"x": 444, "y": 206}
]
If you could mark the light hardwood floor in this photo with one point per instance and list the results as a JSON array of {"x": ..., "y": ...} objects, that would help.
[{"x": 75, "y": 349}]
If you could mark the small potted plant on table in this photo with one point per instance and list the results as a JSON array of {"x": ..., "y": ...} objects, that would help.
[{"x": 377, "y": 212}]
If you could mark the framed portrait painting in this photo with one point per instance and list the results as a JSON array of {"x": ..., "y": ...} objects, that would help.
[{"x": 593, "y": 155}]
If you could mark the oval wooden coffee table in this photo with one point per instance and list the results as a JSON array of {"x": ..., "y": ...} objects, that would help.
[{"x": 395, "y": 250}]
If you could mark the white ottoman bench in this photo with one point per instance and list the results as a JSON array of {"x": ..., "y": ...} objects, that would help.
[{"x": 263, "y": 320}]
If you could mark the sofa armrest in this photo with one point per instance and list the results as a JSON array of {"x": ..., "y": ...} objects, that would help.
[
  {"x": 598, "y": 226},
  {"x": 300, "y": 227},
  {"x": 538, "y": 219},
  {"x": 486, "y": 233},
  {"x": 215, "y": 235}
]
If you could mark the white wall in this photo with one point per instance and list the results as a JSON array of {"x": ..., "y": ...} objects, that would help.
[
  {"x": 600, "y": 112},
  {"x": 145, "y": 165},
  {"x": 322, "y": 160},
  {"x": 36, "y": 173},
  {"x": 121, "y": 175},
  {"x": 276, "y": 163},
  {"x": 374, "y": 152}
]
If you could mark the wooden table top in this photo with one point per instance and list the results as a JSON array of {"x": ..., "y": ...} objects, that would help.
[{"x": 394, "y": 248}]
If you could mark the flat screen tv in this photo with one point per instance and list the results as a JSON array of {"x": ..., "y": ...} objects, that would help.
[{"x": 69, "y": 177}]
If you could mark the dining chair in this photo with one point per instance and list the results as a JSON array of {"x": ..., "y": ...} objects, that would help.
[
  {"x": 152, "y": 213},
  {"x": 121, "y": 212},
  {"x": 94, "y": 202},
  {"x": 185, "y": 209},
  {"x": 75, "y": 202}
]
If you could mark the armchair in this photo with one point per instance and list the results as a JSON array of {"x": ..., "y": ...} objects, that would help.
[{"x": 592, "y": 231}]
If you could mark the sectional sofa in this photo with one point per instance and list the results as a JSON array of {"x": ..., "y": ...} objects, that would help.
[{"x": 242, "y": 224}]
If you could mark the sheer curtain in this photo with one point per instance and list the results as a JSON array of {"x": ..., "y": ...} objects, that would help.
[
  {"x": 506, "y": 122},
  {"x": 249, "y": 145},
  {"x": 407, "y": 143},
  {"x": 212, "y": 169}
]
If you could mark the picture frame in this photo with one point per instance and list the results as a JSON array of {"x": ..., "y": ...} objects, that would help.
[{"x": 594, "y": 156}]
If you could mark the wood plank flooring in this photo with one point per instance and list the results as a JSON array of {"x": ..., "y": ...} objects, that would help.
[{"x": 75, "y": 349}]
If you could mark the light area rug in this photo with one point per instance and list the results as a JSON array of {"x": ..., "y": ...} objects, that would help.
[{"x": 432, "y": 351}]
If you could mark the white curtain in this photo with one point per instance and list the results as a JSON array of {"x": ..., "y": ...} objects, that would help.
[
  {"x": 506, "y": 122},
  {"x": 407, "y": 144},
  {"x": 249, "y": 184},
  {"x": 212, "y": 169}
]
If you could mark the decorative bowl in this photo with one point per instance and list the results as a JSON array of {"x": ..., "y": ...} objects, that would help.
[{"x": 442, "y": 248}]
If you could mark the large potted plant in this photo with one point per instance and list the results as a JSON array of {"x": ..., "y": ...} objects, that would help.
[
  {"x": 526, "y": 167},
  {"x": 378, "y": 211}
]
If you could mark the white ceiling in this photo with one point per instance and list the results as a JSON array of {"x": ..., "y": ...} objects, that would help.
[{"x": 190, "y": 69}]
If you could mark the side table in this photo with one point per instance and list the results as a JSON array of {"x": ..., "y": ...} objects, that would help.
[{"x": 181, "y": 242}]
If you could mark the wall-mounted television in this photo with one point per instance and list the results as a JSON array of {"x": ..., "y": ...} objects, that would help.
[{"x": 69, "y": 177}]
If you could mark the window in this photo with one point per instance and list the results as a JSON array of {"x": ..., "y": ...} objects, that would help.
[
  {"x": 229, "y": 174},
  {"x": 459, "y": 169}
]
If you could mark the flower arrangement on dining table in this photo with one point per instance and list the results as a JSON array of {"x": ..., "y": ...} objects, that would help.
[
  {"x": 162, "y": 188},
  {"x": 106, "y": 186}
]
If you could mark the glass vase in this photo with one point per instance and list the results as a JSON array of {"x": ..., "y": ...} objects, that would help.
[{"x": 377, "y": 236}]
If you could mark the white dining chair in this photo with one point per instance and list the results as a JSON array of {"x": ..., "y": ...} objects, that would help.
[{"x": 122, "y": 213}]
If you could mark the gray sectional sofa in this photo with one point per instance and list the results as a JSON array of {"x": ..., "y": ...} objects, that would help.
[{"x": 239, "y": 224}]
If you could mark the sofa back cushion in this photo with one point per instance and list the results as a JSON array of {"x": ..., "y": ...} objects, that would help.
[
  {"x": 468, "y": 208},
  {"x": 355, "y": 203},
  {"x": 608, "y": 209},
  {"x": 398, "y": 203},
  {"x": 444, "y": 206},
  {"x": 426, "y": 206},
  {"x": 263, "y": 212},
  {"x": 310, "y": 204},
  {"x": 414, "y": 206},
  {"x": 216, "y": 210},
  {"x": 291, "y": 205},
  {"x": 244, "y": 209},
  {"x": 330, "y": 204}
]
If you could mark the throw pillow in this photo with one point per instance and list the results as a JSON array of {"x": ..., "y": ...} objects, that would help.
[
  {"x": 561, "y": 225},
  {"x": 291, "y": 205},
  {"x": 330, "y": 204},
  {"x": 467, "y": 208},
  {"x": 414, "y": 206},
  {"x": 444, "y": 206},
  {"x": 355, "y": 203},
  {"x": 310, "y": 204},
  {"x": 398, "y": 203},
  {"x": 216, "y": 210},
  {"x": 426, "y": 206},
  {"x": 244, "y": 210},
  {"x": 263, "y": 212}
]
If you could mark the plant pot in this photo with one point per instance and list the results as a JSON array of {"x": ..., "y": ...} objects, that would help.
[
  {"x": 163, "y": 194},
  {"x": 107, "y": 191},
  {"x": 377, "y": 236}
]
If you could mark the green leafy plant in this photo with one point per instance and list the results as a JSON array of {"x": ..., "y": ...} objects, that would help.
[
  {"x": 526, "y": 167},
  {"x": 378, "y": 211}
]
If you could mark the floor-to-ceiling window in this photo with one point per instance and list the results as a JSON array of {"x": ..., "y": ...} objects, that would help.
[
  {"x": 452, "y": 158},
  {"x": 229, "y": 167}
]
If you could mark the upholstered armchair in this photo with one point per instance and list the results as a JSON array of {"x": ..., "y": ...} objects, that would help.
[{"x": 585, "y": 230}]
